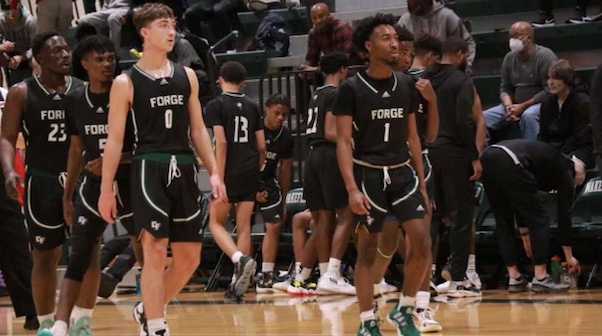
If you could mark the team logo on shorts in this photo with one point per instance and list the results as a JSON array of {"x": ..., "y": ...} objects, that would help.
[
  {"x": 82, "y": 220},
  {"x": 369, "y": 220},
  {"x": 40, "y": 239},
  {"x": 155, "y": 225}
]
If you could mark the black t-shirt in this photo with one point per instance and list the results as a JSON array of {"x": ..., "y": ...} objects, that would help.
[
  {"x": 241, "y": 118},
  {"x": 379, "y": 108},
  {"x": 322, "y": 102},
  {"x": 160, "y": 111},
  {"x": 279, "y": 145},
  {"x": 423, "y": 105}
]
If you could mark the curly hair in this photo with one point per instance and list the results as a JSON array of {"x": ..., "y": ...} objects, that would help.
[
  {"x": 366, "y": 26},
  {"x": 427, "y": 43}
]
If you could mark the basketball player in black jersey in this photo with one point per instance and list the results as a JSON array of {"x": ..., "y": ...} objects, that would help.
[
  {"x": 163, "y": 99},
  {"x": 378, "y": 107},
  {"x": 86, "y": 112},
  {"x": 324, "y": 188},
  {"x": 276, "y": 180},
  {"x": 36, "y": 107}
]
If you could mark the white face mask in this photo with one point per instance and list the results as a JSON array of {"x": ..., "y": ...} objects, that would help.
[{"x": 516, "y": 44}]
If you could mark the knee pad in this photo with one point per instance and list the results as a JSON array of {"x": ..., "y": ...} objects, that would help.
[{"x": 79, "y": 261}]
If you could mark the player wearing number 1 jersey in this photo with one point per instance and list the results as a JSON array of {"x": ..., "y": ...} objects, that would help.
[
  {"x": 166, "y": 113},
  {"x": 240, "y": 151},
  {"x": 378, "y": 107},
  {"x": 35, "y": 106}
]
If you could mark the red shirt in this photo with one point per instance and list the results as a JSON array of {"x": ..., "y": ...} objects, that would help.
[{"x": 338, "y": 39}]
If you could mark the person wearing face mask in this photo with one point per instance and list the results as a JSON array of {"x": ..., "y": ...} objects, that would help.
[
  {"x": 524, "y": 83},
  {"x": 327, "y": 35},
  {"x": 564, "y": 117},
  {"x": 431, "y": 17}
]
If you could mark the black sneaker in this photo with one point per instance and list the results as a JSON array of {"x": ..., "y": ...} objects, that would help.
[
  {"x": 107, "y": 285},
  {"x": 544, "y": 20},
  {"x": 243, "y": 272},
  {"x": 548, "y": 285},
  {"x": 31, "y": 323},
  {"x": 518, "y": 285},
  {"x": 579, "y": 17},
  {"x": 265, "y": 283}
]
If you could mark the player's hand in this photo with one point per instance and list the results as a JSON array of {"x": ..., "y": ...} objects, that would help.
[
  {"x": 477, "y": 170},
  {"x": 218, "y": 189},
  {"x": 68, "y": 211},
  {"x": 12, "y": 179},
  {"x": 8, "y": 46},
  {"x": 573, "y": 266},
  {"x": 95, "y": 166},
  {"x": 15, "y": 61},
  {"x": 426, "y": 90},
  {"x": 359, "y": 203},
  {"x": 261, "y": 196},
  {"x": 107, "y": 206},
  {"x": 579, "y": 171}
]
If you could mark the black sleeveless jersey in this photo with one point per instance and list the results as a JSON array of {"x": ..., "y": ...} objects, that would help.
[
  {"x": 87, "y": 115},
  {"x": 321, "y": 102},
  {"x": 160, "y": 112},
  {"x": 241, "y": 118},
  {"x": 279, "y": 145},
  {"x": 47, "y": 143},
  {"x": 379, "y": 109},
  {"x": 422, "y": 113}
]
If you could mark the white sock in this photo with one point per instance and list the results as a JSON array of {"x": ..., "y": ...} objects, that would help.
[
  {"x": 267, "y": 267},
  {"x": 334, "y": 266},
  {"x": 297, "y": 268},
  {"x": 236, "y": 256},
  {"x": 303, "y": 275},
  {"x": 407, "y": 301},
  {"x": 79, "y": 312},
  {"x": 367, "y": 316},
  {"x": 471, "y": 263},
  {"x": 323, "y": 268},
  {"x": 422, "y": 299},
  {"x": 155, "y": 325},
  {"x": 42, "y": 318},
  {"x": 59, "y": 328}
]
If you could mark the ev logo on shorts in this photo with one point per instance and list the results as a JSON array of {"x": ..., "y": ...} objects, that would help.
[
  {"x": 82, "y": 220},
  {"x": 40, "y": 239},
  {"x": 155, "y": 225}
]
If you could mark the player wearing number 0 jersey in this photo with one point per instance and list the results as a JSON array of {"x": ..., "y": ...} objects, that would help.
[
  {"x": 35, "y": 106},
  {"x": 240, "y": 151},
  {"x": 378, "y": 107}
]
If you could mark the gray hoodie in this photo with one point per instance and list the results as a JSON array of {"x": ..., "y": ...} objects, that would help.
[
  {"x": 440, "y": 22},
  {"x": 20, "y": 33}
]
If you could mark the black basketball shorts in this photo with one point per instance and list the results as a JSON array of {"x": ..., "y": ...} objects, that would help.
[
  {"x": 242, "y": 186},
  {"x": 324, "y": 188},
  {"x": 271, "y": 210},
  {"x": 44, "y": 209},
  {"x": 392, "y": 190},
  {"x": 165, "y": 197}
]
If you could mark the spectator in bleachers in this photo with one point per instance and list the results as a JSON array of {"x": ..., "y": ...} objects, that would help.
[
  {"x": 524, "y": 83},
  {"x": 221, "y": 16},
  {"x": 564, "y": 118},
  {"x": 112, "y": 15},
  {"x": 17, "y": 28},
  {"x": 90, "y": 5},
  {"x": 328, "y": 35},
  {"x": 546, "y": 15},
  {"x": 431, "y": 17},
  {"x": 596, "y": 114},
  {"x": 53, "y": 15}
]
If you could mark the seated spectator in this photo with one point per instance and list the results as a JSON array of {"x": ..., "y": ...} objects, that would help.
[
  {"x": 431, "y": 17},
  {"x": 112, "y": 15},
  {"x": 524, "y": 83},
  {"x": 564, "y": 117},
  {"x": 220, "y": 15},
  {"x": 546, "y": 16},
  {"x": 17, "y": 27},
  {"x": 328, "y": 35}
]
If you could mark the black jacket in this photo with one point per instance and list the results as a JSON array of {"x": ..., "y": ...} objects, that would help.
[
  {"x": 596, "y": 110},
  {"x": 568, "y": 129},
  {"x": 455, "y": 96}
]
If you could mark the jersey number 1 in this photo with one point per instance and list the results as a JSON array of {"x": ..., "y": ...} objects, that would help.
[
  {"x": 312, "y": 121},
  {"x": 241, "y": 129},
  {"x": 387, "y": 127}
]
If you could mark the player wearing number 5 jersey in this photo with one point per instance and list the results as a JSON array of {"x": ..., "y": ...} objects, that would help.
[
  {"x": 165, "y": 109},
  {"x": 35, "y": 106},
  {"x": 240, "y": 151}
]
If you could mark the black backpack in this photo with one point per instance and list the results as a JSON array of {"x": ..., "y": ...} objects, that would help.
[{"x": 273, "y": 34}]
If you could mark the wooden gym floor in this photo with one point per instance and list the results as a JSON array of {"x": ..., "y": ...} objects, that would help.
[{"x": 497, "y": 313}]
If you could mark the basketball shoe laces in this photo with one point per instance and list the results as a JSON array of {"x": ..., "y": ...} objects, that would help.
[{"x": 174, "y": 171}]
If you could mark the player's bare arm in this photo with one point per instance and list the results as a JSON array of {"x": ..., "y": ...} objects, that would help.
[
  {"x": 74, "y": 168},
  {"x": 357, "y": 201},
  {"x": 201, "y": 140},
  {"x": 260, "y": 137},
  {"x": 284, "y": 180},
  {"x": 432, "y": 122},
  {"x": 416, "y": 154},
  {"x": 120, "y": 101},
  {"x": 479, "y": 121},
  {"x": 10, "y": 128},
  {"x": 330, "y": 127}
]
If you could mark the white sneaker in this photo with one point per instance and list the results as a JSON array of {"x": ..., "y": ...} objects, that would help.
[
  {"x": 424, "y": 321},
  {"x": 475, "y": 279},
  {"x": 282, "y": 285},
  {"x": 330, "y": 283},
  {"x": 386, "y": 288},
  {"x": 443, "y": 287},
  {"x": 462, "y": 289}
]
